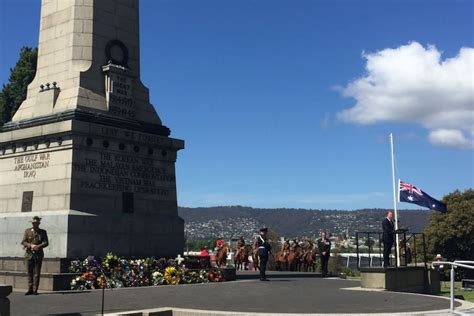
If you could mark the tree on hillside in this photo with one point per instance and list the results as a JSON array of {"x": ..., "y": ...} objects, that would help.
[
  {"x": 14, "y": 92},
  {"x": 451, "y": 234}
]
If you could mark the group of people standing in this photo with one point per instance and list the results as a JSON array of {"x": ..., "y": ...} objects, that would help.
[{"x": 264, "y": 250}]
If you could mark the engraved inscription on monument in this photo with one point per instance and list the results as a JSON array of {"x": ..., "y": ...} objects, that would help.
[
  {"x": 29, "y": 164},
  {"x": 125, "y": 173},
  {"x": 118, "y": 91}
]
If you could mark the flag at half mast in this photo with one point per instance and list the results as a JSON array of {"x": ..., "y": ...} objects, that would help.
[{"x": 411, "y": 194}]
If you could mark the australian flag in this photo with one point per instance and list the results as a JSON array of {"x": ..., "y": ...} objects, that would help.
[{"x": 411, "y": 194}]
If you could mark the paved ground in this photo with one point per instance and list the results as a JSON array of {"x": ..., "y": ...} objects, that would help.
[{"x": 282, "y": 294}]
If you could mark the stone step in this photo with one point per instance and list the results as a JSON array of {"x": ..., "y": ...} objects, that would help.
[
  {"x": 48, "y": 281},
  {"x": 50, "y": 265}
]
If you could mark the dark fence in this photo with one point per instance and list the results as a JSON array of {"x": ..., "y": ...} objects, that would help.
[{"x": 412, "y": 249}]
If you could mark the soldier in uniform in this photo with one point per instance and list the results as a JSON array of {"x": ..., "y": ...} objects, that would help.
[
  {"x": 324, "y": 247},
  {"x": 34, "y": 240},
  {"x": 263, "y": 250}
]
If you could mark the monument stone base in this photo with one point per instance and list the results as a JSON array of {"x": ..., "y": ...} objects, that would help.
[
  {"x": 100, "y": 184},
  {"x": 54, "y": 274},
  {"x": 402, "y": 279}
]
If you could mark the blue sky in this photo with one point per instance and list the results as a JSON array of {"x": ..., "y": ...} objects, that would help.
[{"x": 290, "y": 104}]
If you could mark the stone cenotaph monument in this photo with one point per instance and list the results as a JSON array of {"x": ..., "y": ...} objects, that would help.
[{"x": 86, "y": 151}]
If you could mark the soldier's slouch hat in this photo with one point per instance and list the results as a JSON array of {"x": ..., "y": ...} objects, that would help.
[{"x": 36, "y": 219}]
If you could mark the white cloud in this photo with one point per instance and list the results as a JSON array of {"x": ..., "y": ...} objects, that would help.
[
  {"x": 450, "y": 137},
  {"x": 413, "y": 84}
]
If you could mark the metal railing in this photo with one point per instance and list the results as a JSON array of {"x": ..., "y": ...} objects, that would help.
[
  {"x": 408, "y": 252},
  {"x": 454, "y": 264}
]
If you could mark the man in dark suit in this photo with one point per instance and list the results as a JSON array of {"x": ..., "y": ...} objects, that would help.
[
  {"x": 324, "y": 247},
  {"x": 388, "y": 237},
  {"x": 263, "y": 250},
  {"x": 34, "y": 240}
]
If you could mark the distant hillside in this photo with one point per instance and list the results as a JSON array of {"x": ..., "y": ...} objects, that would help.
[{"x": 233, "y": 221}]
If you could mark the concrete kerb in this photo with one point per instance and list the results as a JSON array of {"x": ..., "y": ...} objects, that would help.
[
  {"x": 170, "y": 311},
  {"x": 173, "y": 311}
]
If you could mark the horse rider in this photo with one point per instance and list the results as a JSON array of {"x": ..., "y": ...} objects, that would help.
[
  {"x": 306, "y": 245},
  {"x": 263, "y": 250},
  {"x": 219, "y": 244},
  {"x": 286, "y": 248},
  {"x": 294, "y": 244},
  {"x": 241, "y": 242}
]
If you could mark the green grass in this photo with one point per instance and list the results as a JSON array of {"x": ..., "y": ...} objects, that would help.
[{"x": 468, "y": 295}]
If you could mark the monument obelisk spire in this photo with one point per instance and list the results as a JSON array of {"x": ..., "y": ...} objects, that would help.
[
  {"x": 86, "y": 150},
  {"x": 79, "y": 41}
]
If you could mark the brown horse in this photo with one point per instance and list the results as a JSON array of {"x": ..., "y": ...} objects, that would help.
[
  {"x": 309, "y": 260},
  {"x": 295, "y": 258},
  {"x": 221, "y": 257},
  {"x": 241, "y": 259},
  {"x": 281, "y": 260}
]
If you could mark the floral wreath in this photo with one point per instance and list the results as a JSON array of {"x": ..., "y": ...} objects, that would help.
[
  {"x": 111, "y": 262},
  {"x": 215, "y": 276},
  {"x": 171, "y": 276}
]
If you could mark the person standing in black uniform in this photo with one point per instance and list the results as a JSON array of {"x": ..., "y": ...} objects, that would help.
[
  {"x": 324, "y": 247},
  {"x": 263, "y": 250},
  {"x": 388, "y": 237}
]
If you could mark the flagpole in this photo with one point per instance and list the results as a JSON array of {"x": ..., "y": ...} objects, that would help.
[
  {"x": 394, "y": 200},
  {"x": 398, "y": 195}
]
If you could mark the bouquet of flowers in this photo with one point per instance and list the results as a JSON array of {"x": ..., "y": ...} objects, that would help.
[
  {"x": 157, "y": 278},
  {"x": 77, "y": 266},
  {"x": 187, "y": 277},
  {"x": 203, "y": 276},
  {"x": 84, "y": 282}
]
